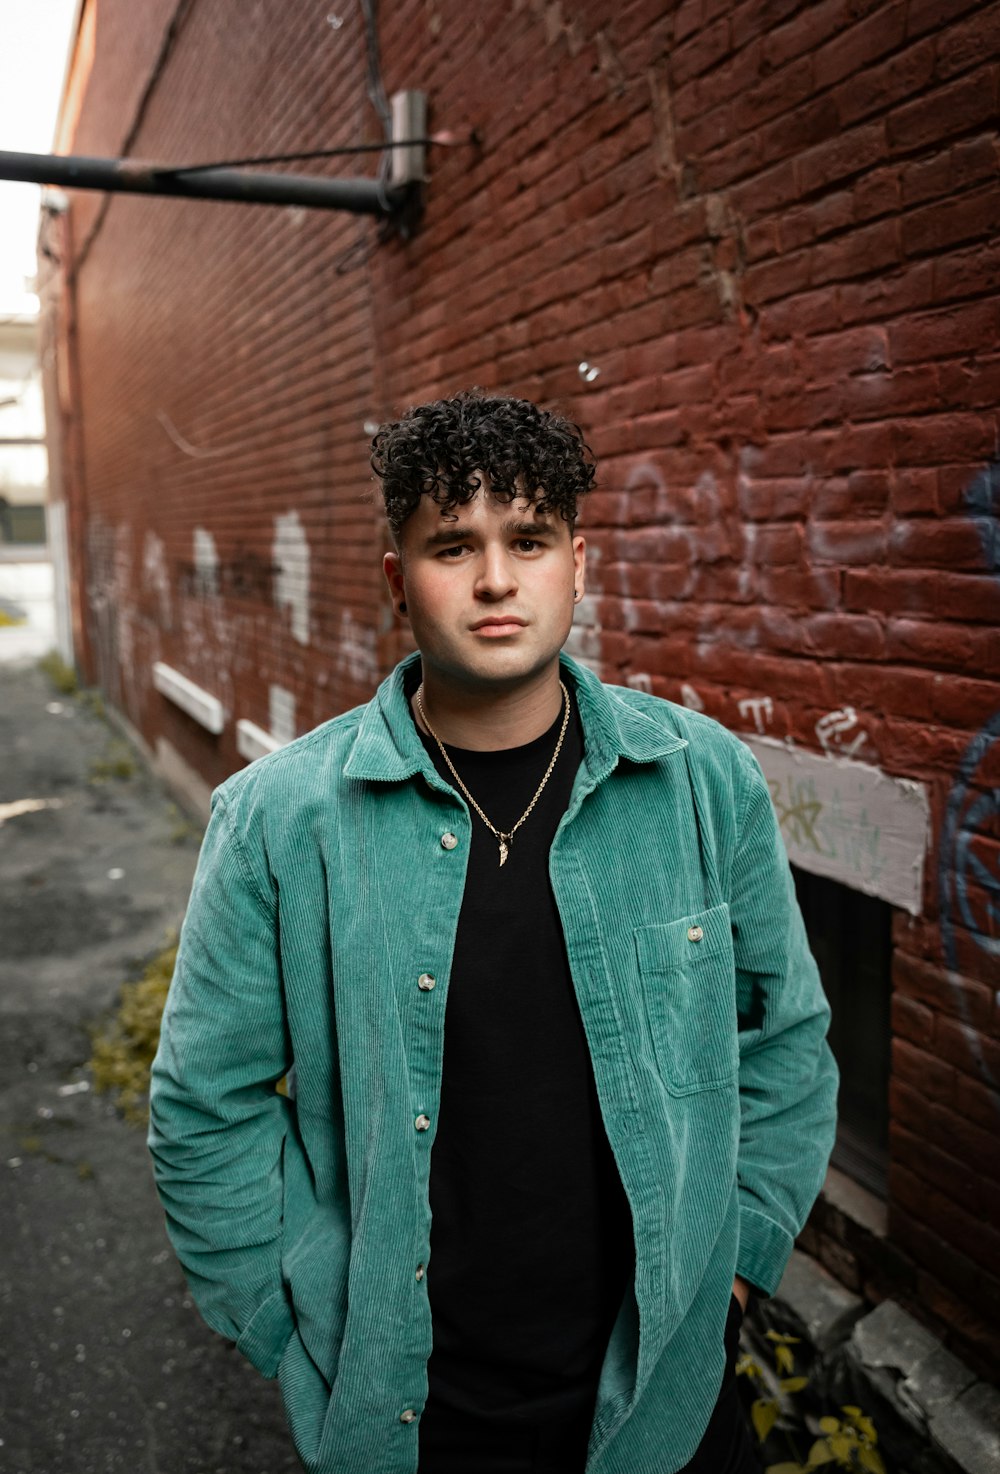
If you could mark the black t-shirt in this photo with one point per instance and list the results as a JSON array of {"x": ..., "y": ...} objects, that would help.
[{"x": 531, "y": 1238}]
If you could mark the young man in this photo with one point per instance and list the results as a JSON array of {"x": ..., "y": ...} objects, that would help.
[{"x": 562, "y": 1094}]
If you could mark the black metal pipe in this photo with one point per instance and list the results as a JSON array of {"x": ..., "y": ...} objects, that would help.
[{"x": 131, "y": 176}]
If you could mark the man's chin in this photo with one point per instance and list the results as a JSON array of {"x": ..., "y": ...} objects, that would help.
[{"x": 502, "y": 669}]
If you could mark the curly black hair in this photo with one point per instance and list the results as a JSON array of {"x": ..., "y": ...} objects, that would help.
[{"x": 436, "y": 450}]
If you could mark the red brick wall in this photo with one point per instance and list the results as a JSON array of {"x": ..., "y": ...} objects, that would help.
[{"x": 771, "y": 226}]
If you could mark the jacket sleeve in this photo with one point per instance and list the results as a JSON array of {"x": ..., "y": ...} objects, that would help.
[
  {"x": 217, "y": 1125},
  {"x": 788, "y": 1077}
]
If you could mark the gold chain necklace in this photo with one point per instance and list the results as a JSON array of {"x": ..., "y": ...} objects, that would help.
[{"x": 503, "y": 837}]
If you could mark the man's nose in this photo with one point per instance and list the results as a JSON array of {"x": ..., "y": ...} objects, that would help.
[{"x": 497, "y": 576}]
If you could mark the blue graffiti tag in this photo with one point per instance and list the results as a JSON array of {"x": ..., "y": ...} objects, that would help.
[
  {"x": 971, "y": 806},
  {"x": 982, "y": 499},
  {"x": 968, "y": 878},
  {"x": 970, "y": 811}
]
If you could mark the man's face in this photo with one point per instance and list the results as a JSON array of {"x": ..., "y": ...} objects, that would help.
[{"x": 489, "y": 589}]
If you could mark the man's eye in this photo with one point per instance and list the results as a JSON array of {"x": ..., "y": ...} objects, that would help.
[
  {"x": 527, "y": 544},
  {"x": 453, "y": 552}
]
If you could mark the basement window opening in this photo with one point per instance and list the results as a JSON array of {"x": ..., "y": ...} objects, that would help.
[{"x": 851, "y": 938}]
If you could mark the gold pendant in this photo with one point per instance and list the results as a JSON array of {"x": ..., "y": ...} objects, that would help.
[{"x": 503, "y": 852}]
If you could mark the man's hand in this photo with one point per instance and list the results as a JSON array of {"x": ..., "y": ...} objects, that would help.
[{"x": 742, "y": 1292}]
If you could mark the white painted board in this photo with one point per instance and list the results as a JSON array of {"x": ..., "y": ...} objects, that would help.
[{"x": 848, "y": 820}]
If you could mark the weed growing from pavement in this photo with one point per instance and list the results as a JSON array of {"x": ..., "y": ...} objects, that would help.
[
  {"x": 182, "y": 828},
  {"x": 847, "y": 1442},
  {"x": 118, "y": 761},
  {"x": 123, "y": 1049},
  {"x": 62, "y": 676}
]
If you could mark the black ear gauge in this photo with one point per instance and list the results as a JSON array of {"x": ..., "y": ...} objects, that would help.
[{"x": 402, "y": 607}]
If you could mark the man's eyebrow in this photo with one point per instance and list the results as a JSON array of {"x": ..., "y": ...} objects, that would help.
[
  {"x": 526, "y": 526},
  {"x": 444, "y": 535},
  {"x": 510, "y": 526}
]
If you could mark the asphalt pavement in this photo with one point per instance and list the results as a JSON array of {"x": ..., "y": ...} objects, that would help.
[{"x": 105, "y": 1364}]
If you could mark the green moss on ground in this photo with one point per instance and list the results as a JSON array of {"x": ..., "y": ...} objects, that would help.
[
  {"x": 123, "y": 1049},
  {"x": 117, "y": 761},
  {"x": 62, "y": 676}
]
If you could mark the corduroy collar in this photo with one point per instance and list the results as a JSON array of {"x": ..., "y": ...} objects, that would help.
[{"x": 388, "y": 748}]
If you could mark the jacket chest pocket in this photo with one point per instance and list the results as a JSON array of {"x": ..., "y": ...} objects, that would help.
[{"x": 687, "y": 976}]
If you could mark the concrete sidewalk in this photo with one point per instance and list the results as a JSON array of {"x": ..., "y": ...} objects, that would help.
[{"x": 104, "y": 1363}]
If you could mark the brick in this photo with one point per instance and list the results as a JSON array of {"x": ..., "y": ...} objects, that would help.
[
  {"x": 932, "y": 646},
  {"x": 887, "y": 296},
  {"x": 952, "y": 222},
  {"x": 758, "y": 17},
  {"x": 909, "y": 1107},
  {"x": 814, "y": 312},
  {"x": 933, "y": 1166},
  {"x": 772, "y": 500},
  {"x": 969, "y": 385},
  {"x": 777, "y": 278},
  {"x": 700, "y": 52},
  {"x": 978, "y": 1100},
  {"x": 734, "y": 73},
  {"x": 943, "y": 1215},
  {"x": 963, "y": 46},
  {"x": 774, "y": 95},
  {"x": 936, "y": 439},
  {"x": 862, "y": 494},
  {"x": 804, "y": 409},
  {"x": 905, "y": 692},
  {"x": 876, "y": 193},
  {"x": 948, "y": 170},
  {"x": 802, "y": 33},
  {"x": 915, "y": 488},
  {"x": 676, "y": 270},
  {"x": 725, "y": 166},
  {"x": 924, "y": 1070},
  {"x": 761, "y": 239},
  {"x": 919, "y": 749},
  {"x": 969, "y": 704},
  {"x": 812, "y": 590},
  {"x": 777, "y": 546},
  {"x": 969, "y": 1328},
  {"x": 872, "y": 248},
  {"x": 771, "y": 190},
  {"x": 934, "y": 15},
  {"x": 912, "y": 1020},
  {"x": 688, "y": 19},
  {"x": 853, "y": 48},
  {"x": 847, "y": 542},
  {"x": 841, "y": 156},
  {"x": 874, "y": 90},
  {"x": 947, "y": 993},
  {"x": 957, "y": 329},
  {"x": 967, "y": 103},
  {"x": 841, "y": 1263},
  {"x": 961, "y": 1044},
  {"x": 907, "y": 391},
  {"x": 890, "y": 591},
  {"x": 845, "y": 636},
  {"x": 856, "y": 351},
  {"x": 966, "y": 487}
]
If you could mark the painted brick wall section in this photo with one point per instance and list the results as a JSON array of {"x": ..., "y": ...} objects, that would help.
[{"x": 772, "y": 228}]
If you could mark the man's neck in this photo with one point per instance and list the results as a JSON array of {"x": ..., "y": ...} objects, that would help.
[{"x": 489, "y": 720}]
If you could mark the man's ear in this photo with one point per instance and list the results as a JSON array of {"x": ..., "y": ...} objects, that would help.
[
  {"x": 579, "y": 563},
  {"x": 392, "y": 567}
]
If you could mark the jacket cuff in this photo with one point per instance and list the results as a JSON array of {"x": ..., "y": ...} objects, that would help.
[
  {"x": 765, "y": 1248},
  {"x": 267, "y": 1333}
]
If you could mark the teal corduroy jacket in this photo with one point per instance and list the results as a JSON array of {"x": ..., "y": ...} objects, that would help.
[{"x": 330, "y": 879}]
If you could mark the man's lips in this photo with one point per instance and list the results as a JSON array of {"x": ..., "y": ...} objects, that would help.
[{"x": 498, "y": 624}]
